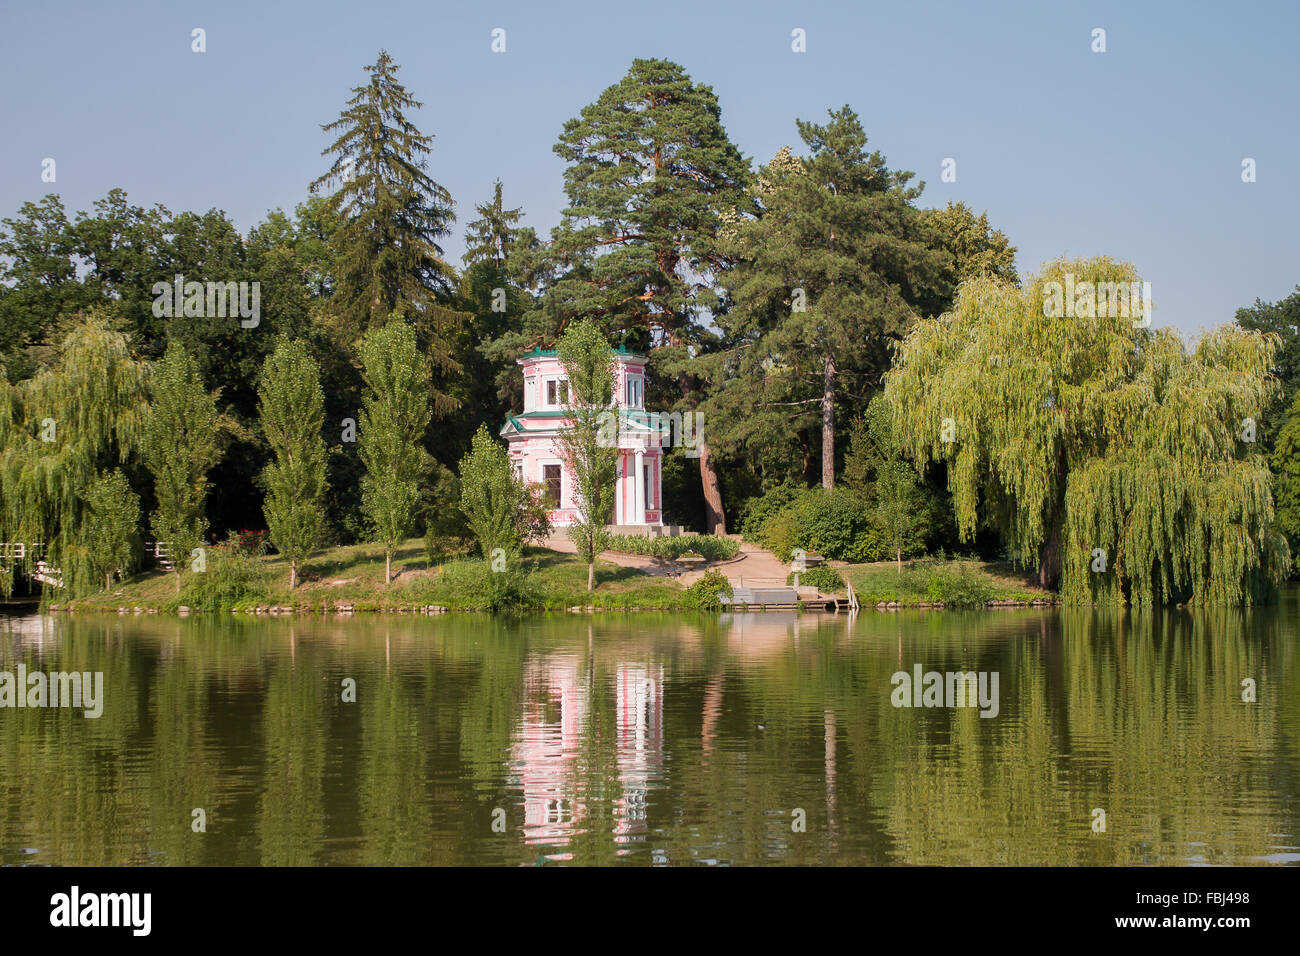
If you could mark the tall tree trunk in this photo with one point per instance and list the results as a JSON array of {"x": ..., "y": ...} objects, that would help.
[
  {"x": 1049, "y": 554},
  {"x": 388, "y": 567},
  {"x": 1049, "y": 559},
  {"x": 899, "y": 552},
  {"x": 591, "y": 575},
  {"x": 293, "y": 575},
  {"x": 715, "y": 520},
  {"x": 108, "y": 581},
  {"x": 828, "y": 423}
]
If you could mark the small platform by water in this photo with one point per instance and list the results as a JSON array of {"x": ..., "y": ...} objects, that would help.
[{"x": 781, "y": 598}]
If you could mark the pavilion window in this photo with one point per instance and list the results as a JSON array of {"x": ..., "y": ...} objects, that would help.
[{"x": 551, "y": 476}]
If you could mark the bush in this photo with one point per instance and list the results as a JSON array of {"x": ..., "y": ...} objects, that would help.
[
  {"x": 958, "y": 586},
  {"x": 479, "y": 588},
  {"x": 839, "y": 525},
  {"x": 705, "y": 594},
  {"x": 250, "y": 543},
  {"x": 823, "y": 578},
  {"x": 708, "y": 546},
  {"x": 759, "y": 511},
  {"x": 231, "y": 576},
  {"x": 951, "y": 584}
]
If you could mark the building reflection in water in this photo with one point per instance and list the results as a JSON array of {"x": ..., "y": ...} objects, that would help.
[
  {"x": 550, "y": 758},
  {"x": 548, "y": 750},
  {"x": 639, "y": 706}
]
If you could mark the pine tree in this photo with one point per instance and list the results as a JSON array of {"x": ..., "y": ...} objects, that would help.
[
  {"x": 588, "y": 443},
  {"x": 829, "y": 275},
  {"x": 651, "y": 175},
  {"x": 394, "y": 416},
  {"x": 292, "y": 406},
  {"x": 180, "y": 446},
  {"x": 391, "y": 215}
]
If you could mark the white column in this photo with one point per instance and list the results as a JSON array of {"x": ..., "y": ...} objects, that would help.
[
  {"x": 620, "y": 470},
  {"x": 640, "y": 487}
]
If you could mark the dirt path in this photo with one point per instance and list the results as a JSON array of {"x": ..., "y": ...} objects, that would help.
[{"x": 752, "y": 566}]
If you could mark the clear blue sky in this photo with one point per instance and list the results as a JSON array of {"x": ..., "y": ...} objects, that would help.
[{"x": 1135, "y": 153}]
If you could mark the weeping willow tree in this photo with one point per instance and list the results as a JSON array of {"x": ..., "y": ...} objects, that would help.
[
  {"x": 1110, "y": 455},
  {"x": 61, "y": 433}
]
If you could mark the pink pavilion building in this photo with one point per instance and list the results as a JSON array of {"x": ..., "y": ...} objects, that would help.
[{"x": 532, "y": 437}]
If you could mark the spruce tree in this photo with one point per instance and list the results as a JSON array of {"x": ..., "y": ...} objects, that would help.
[
  {"x": 180, "y": 446},
  {"x": 292, "y": 407},
  {"x": 490, "y": 237},
  {"x": 394, "y": 416},
  {"x": 390, "y": 215},
  {"x": 494, "y": 294}
]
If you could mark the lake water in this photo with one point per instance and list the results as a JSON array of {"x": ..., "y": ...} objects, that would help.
[{"x": 648, "y": 739}]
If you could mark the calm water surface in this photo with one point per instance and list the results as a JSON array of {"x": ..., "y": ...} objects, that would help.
[{"x": 650, "y": 739}]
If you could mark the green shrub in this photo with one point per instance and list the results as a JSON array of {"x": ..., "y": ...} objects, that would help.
[
  {"x": 708, "y": 546},
  {"x": 477, "y": 587},
  {"x": 232, "y": 576},
  {"x": 757, "y": 512},
  {"x": 705, "y": 593},
  {"x": 955, "y": 585},
  {"x": 837, "y": 524},
  {"x": 781, "y": 534},
  {"x": 823, "y": 578}
]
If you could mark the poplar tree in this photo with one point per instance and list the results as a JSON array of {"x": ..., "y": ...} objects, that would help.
[
  {"x": 292, "y": 411},
  {"x": 112, "y": 519},
  {"x": 1119, "y": 462},
  {"x": 588, "y": 443},
  {"x": 180, "y": 446},
  {"x": 651, "y": 175},
  {"x": 390, "y": 216},
  {"x": 394, "y": 416},
  {"x": 492, "y": 497}
]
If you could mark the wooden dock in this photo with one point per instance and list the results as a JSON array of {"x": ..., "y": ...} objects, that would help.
[{"x": 782, "y": 597}]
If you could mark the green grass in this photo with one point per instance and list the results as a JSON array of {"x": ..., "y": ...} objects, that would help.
[
  {"x": 952, "y": 583},
  {"x": 354, "y": 575}
]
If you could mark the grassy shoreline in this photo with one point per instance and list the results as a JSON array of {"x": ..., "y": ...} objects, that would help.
[{"x": 349, "y": 579}]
